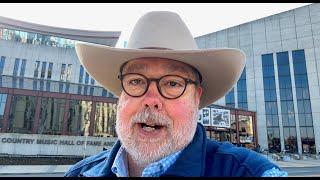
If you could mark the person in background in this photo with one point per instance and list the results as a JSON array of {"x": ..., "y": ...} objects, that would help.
[{"x": 162, "y": 79}]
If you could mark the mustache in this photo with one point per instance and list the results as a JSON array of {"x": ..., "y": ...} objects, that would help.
[{"x": 151, "y": 117}]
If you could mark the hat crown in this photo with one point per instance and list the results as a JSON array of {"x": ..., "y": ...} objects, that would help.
[{"x": 161, "y": 29}]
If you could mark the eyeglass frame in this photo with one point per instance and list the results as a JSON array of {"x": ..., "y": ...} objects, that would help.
[{"x": 157, "y": 80}]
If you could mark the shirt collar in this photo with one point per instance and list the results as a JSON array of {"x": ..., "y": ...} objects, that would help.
[
  {"x": 120, "y": 163},
  {"x": 155, "y": 169}
]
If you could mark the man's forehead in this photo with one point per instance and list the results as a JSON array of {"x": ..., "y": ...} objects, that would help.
[{"x": 167, "y": 64}]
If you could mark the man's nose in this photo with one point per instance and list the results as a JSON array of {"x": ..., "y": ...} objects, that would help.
[{"x": 153, "y": 98}]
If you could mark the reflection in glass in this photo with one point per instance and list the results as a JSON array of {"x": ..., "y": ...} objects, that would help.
[
  {"x": 37, "y": 39},
  {"x": 51, "y": 116},
  {"x": 3, "y": 100},
  {"x": 271, "y": 107},
  {"x": 230, "y": 98},
  {"x": 233, "y": 129},
  {"x": 286, "y": 100},
  {"x": 105, "y": 119},
  {"x": 245, "y": 129},
  {"x": 22, "y": 113},
  {"x": 303, "y": 102},
  {"x": 79, "y": 117}
]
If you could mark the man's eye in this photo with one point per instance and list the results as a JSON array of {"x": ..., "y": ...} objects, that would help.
[
  {"x": 173, "y": 84},
  {"x": 135, "y": 81}
]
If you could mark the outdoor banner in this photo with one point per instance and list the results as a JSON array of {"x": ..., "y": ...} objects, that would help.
[
  {"x": 200, "y": 116},
  {"x": 206, "y": 116},
  {"x": 220, "y": 117}
]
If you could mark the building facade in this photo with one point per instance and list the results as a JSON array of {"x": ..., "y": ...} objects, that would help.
[
  {"x": 44, "y": 90},
  {"x": 280, "y": 81}
]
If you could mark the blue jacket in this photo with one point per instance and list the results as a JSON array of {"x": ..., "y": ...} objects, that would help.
[{"x": 202, "y": 157}]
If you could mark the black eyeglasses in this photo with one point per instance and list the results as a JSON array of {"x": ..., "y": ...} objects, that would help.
[{"x": 169, "y": 86}]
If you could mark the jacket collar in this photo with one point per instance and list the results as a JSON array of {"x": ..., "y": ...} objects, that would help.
[
  {"x": 192, "y": 159},
  {"x": 104, "y": 167}
]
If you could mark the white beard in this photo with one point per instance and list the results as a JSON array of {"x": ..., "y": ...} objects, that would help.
[{"x": 146, "y": 151}]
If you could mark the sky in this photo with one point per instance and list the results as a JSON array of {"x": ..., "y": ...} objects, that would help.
[{"x": 202, "y": 18}]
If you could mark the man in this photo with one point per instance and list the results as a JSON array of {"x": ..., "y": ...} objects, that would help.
[{"x": 162, "y": 79}]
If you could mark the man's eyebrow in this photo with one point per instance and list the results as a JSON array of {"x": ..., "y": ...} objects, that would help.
[
  {"x": 135, "y": 67},
  {"x": 176, "y": 67}
]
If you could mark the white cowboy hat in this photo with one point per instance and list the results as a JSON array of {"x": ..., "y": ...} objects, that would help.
[{"x": 163, "y": 34}]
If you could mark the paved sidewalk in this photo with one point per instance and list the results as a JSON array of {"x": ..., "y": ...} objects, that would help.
[
  {"x": 54, "y": 169},
  {"x": 33, "y": 169},
  {"x": 310, "y": 162}
]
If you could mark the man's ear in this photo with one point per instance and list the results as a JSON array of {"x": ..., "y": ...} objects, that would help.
[{"x": 198, "y": 94}]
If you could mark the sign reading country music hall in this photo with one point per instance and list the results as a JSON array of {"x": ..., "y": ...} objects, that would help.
[{"x": 35, "y": 144}]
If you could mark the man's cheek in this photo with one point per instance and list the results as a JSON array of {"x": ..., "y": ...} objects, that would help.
[{"x": 181, "y": 111}]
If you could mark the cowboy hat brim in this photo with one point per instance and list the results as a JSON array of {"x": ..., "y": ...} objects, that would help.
[{"x": 220, "y": 68}]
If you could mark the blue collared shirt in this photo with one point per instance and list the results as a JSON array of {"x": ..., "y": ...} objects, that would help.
[{"x": 156, "y": 169}]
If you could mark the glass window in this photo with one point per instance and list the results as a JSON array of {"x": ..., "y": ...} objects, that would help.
[
  {"x": 31, "y": 37},
  {"x": 300, "y": 68},
  {"x": 267, "y": 60},
  {"x": 10, "y": 34},
  {"x": 307, "y": 106},
  {"x": 67, "y": 88},
  {"x": 36, "y": 69},
  {"x": 104, "y": 93},
  {"x": 291, "y": 119},
  {"x": 91, "y": 91},
  {"x": 81, "y": 74},
  {"x": 79, "y": 89},
  {"x": 230, "y": 99},
  {"x": 69, "y": 68},
  {"x": 21, "y": 83},
  {"x": 86, "y": 80},
  {"x": 275, "y": 120},
  {"x": 43, "y": 69},
  {"x": 303, "y": 133},
  {"x": 245, "y": 129},
  {"x": 2, "y": 62},
  {"x": 92, "y": 81},
  {"x": 305, "y": 93},
  {"x": 23, "y": 67},
  {"x": 302, "y": 119},
  {"x": 3, "y": 100},
  {"x": 63, "y": 72},
  {"x": 85, "y": 90},
  {"x": 16, "y": 66},
  {"x": 309, "y": 121},
  {"x": 79, "y": 117},
  {"x": 298, "y": 56},
  {"x": 310, "y": 132},
  {"x": 51, "y": 116},
  {"x": 105, "y": 119},
  {"x": 285, "y": 119},
  {"x": 299, "y": 93},
  {"x": 22, "y": 113},
  {"x": 269, "y": 120},
  {"x": 61, "y": 87},
  {"x": 282, "y": 59},
  {"x": 283, "y": 70},
  {"x": 41, "y": 85},
  {"x": 35, "y": 85},
  {"x": 17, "y": 37},
  {"x": 50, "y": 70},
  {"x": 48, "y": 86},
  {"x": 290, "y": 139}
]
